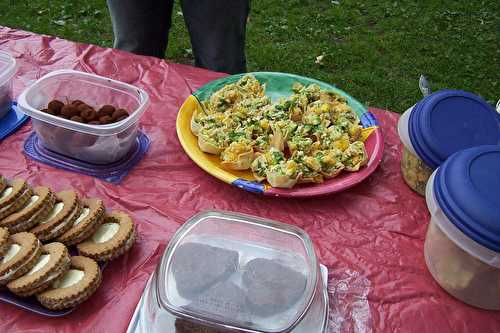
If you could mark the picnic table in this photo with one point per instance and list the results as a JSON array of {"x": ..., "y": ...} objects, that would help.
[{"x": 370, "y": 237}]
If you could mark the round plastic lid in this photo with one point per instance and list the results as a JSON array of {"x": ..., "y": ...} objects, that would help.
[
  {"x": 467, "y": 188},
  {"x": 234, "y": 271},
  {"x": 449, "y": 121}
]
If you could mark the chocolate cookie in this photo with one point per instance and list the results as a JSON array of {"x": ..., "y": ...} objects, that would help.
[
  {"x": 273, "y": 287},
  {"x": 197, "y": 267},
  {"x": 52, "y": 264}
]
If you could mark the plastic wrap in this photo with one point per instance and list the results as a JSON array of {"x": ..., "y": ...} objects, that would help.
[{"x": 371, "y": 237}]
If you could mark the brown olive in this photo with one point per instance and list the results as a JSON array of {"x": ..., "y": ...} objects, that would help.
[
  {"x": 94, "y": 122},
  {"x": 121, "y": 118},
  {"x": 119, "y": 113},
  {"x": 77, "y": 119},
  {"x": 55, "y": 106},
  {"x": 106, "y": 110},
  {"x": 88, "y": 114},
  {"x": 105, "y": 120},
  {"x": 77, "y": 102},
  {"x": 69, "y": 111}
]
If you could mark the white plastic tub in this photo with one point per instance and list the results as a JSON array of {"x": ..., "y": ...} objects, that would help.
[
  {"x": 464, "y": 268},
  {"x": 99, "y": 144},
  {"x": 7, "y": 71}
]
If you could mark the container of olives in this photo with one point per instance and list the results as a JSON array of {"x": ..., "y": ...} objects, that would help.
[{"x": 84, "y": 116}]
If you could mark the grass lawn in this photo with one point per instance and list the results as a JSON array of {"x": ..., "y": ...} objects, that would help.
[{"x": 374, "y": 50}]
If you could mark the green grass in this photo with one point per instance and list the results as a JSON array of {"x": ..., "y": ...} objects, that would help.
[{"x": 374, "y": 50}]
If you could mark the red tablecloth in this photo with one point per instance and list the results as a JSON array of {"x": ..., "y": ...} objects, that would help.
[{"x": 370, "y": 237}]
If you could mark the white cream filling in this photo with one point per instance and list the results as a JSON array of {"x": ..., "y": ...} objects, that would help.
[
  {"x": 13, "y": 271},
  {"x": 11, "y": 252},
  {"x": 71, "y": 277},
  {"x": 105, "y": 232},
  {"x": 58, "y": 207},
  {"x": 32, "y": 201},
  {"x": 8, "y": 206},
  {"x": 54, "y": 275},
  {"x": 44, "y": 259},
  {"x": 6, "y": 192},
  {"x": 66, "y": 221},
  {"x": 83, "y": 215}
]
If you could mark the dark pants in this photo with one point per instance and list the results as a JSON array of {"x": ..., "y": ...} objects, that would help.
[{"x": 216, "y": 27}]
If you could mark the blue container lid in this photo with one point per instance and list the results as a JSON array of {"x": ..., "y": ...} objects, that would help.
[
  {"x": 449, "y": 121},
  {"x": 467, "y": 188}
]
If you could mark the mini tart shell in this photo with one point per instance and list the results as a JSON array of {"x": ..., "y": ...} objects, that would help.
[
  {"x": 62, "y": 298},
  {"x": 27, "y": 217},
  {"x": 18, "y": 186},
  {"x": 17, "y": 204},
  {"x": 25, "y": 259},
  {"x": 71, "y": 202},
  {"x": 4, "y": 241},
  {"x": 121, "y": 242},
  {"x": 85, "y": 229},
  {"x": 57, "y": 265}
]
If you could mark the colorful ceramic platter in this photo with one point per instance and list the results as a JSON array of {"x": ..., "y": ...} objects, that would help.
[{"x": 278, "y": 85}]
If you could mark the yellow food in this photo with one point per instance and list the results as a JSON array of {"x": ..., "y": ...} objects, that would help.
[{"x": 311, "y": 135}]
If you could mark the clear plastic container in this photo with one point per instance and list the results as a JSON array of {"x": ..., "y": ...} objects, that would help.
[
  {"x": 98, "y": 144},
  {"x": 7, "y": 71},
  {"x": 237, "y": 273},
  {"x": 415, "y": 171},
  {"x": 464, "y": 268}
]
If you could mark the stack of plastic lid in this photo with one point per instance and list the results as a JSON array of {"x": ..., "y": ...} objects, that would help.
[
  {"x": 462, "y": 247},
  {"x": 440, "y": 125}
]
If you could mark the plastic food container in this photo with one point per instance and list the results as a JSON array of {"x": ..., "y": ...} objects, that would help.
[
  {"x": 438, "y": 126},
  {"x": 98, "y": 144},
  {"x": 230, "y": 272},
  {"x": 7, "y": 71},
  {"x": 462, "y": 246}
]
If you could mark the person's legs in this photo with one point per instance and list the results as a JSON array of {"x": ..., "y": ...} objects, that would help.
[
  {"x": 141, "y": 26},
  {"x": 217, "y": 31}
]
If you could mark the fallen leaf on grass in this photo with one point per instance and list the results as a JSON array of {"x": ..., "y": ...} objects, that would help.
[
  {"x": 319, "y": 59},
  {"x": 59, "y": 22}
]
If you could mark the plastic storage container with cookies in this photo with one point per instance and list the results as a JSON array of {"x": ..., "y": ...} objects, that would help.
[
  {"x": 7, "y": 71},
  {"x": 438, "y": 126},
  {"x": 94, "y": 142},
  {"x": 462, "y": 246},
  {"x": 227, "y": 272}
]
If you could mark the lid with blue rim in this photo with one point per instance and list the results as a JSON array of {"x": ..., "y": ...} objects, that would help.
[
  {"x": 451, "y": 120},
  {"x": 467, "y": 188}
]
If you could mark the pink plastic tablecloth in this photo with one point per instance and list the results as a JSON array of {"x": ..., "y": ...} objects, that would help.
[{"x": 370, "y": 237}]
